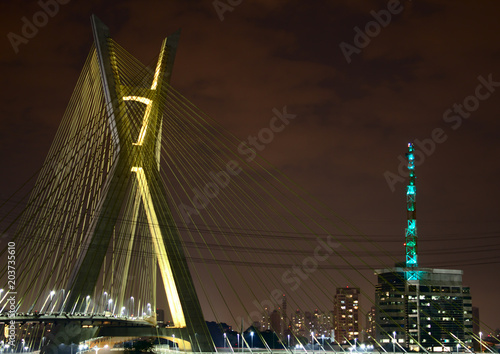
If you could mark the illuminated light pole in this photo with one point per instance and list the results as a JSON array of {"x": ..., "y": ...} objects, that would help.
[
  {"x": 224, "y": 340},
  {"x": 87, "y": 299},
  {"x": 458, "y": 346},
  {"x": 355, "y": 344},
  {"x": 62, "y": 300},
  {"x": 52, "y": 293},
  {"x": 105, "y": 302},
  {"x": 132, "y": 306},
  {"x": 251, "y": 339},
  {"x": 394, "y": 342},
  {"x": 288, "y": 341},
  {"x": 481, "y": 341}
]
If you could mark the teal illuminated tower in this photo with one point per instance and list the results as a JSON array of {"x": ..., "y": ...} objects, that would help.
[{"x": 411, "y": 212}]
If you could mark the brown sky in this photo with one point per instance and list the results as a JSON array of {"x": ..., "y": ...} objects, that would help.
[{"x": 353, "y": 119}]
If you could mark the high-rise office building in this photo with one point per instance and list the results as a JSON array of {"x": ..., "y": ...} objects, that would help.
[
  {"x": 370, "y": 326},
  {"x": 345, "y": 315},
  {"x": 284, "y": 317},
  {"x": 432, "y": 313},
  {"x": 323, "y": 323},
  {"x": 298, "y": 325},
  {"x": 275, "y": 322},
  {"x": 421, "y": 308},
  {"x": 265, "y": 322}
]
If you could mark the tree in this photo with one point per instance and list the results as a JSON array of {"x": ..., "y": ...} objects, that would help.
[{"x": 140, "y": 346}]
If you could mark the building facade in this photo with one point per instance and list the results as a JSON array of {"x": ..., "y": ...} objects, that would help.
[
  {"x": 346, "y": 315},
  {"x": 370, "y": 326},
  {"x": 433, "y": 312}
]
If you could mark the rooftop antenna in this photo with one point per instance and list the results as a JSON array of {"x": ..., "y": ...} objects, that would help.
[{"x": 411, "y": 214}]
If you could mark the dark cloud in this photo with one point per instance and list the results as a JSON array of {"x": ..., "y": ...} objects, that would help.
[{"x": 353, "y": 120}]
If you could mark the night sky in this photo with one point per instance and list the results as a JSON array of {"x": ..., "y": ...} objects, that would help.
[{"x": 429, "y": 74}]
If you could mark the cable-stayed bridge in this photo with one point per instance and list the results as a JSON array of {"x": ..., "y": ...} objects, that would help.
[{"x": 138, "y": 187}]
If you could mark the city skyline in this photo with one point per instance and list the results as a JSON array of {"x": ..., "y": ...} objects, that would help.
[{"x": 354, "y": 113}]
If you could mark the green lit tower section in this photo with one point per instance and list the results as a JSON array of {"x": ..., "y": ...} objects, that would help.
[{"x": 411, "y": 212}]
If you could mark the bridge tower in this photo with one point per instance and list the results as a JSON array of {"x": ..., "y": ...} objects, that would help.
[{"x": 134, "y": 180}]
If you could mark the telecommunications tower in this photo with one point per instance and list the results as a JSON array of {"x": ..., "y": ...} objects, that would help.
[{"x": 411, "y": 213}]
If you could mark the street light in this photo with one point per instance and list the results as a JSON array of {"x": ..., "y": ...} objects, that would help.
[
  {"x": 394, "y": 342},
  {"x": 224, "y": 340},
  {"x": 62, "y": 300},
  {"x": 105, "y": 302},
  {"x": 132, "y": 309},
  {"x": 355, "y": 342},
  {"x": 52, "y": 293},
  {"x": 288, "y": 341},
  {"x": 481, "y": 341},
  {"x": 458, "y": 346},
  {"x": 251, "y": 340},
  {"x": 88, "y": 303}
]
